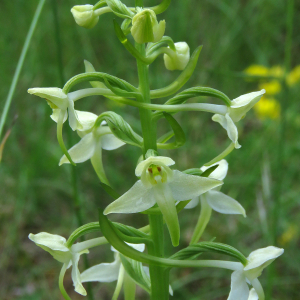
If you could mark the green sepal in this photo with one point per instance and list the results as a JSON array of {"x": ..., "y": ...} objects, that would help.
[
  {"x": 194, "y": 250},
  {"x": 110, "y": 191},
  {"x": 120, "y": 9},
  {"x": 98, "y": 76},
  {"x": 136, "y": 271},
  {"x": 178, "y": 131},
  {"x": 181, "y": 80},
  {"x": 120, "y": 128}
]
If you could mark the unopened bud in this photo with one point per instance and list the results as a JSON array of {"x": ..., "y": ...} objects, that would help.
[
  {"x": 145, "y": 27},
  {"x": 178, "y": 60},
  {"x": 85, "y": 16}
]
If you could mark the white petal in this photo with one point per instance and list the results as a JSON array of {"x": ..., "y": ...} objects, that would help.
[
  {"x": 221, "y": 120},
  {"x": 193, "y": 203},
  {"x": 239, "y": 288},
  {"x": 224, "y": 204},
  {"x": 52, "y": 243},
  {"x": 232, "y": 131},
  {"x": 253, "y": 295},
  {"x": 138, "y": 247},
  {"x": 157, "y": 160},
  {"x": 73, "y": 117},
  {"x": 220, "y": 172},
  {"x": 185, "y": 187},
  {"x": 86, "y": 119},
  {"x": 110, "y": 142},
  {"x": 241, "y": 105},
  {"x": 106, "y": 272},
  {"x": 55, "y": 115},
  {"x": 260, "y": 259},
  {"x": 82, "y": 151},
  {"x": 76, "y": 275},
  {"x": 137, "y": 199}
]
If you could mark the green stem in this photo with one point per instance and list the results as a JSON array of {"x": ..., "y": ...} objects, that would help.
[
  {"x": 159, "y": 286},
  {"x": 129, "y": 287},
  {"x": 20, "y": 64},
  {"x": 61, "y": 282},
  {"x": 97, "y": 163},
  {"x": 119, "y": 283},
  {"x": 227, "y": 151},
  {"x": 202, "y": 221}
]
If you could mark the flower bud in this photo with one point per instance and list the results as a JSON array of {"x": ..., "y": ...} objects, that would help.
[
  {"x": 179, "y": 59},
  {"x": 145, "y": 27},
  {"x": 85, "y": 16}
]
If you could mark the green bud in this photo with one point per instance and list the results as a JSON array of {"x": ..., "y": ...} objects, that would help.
[
  {"x": 178, "y": 60},
  {"x": 85, "y": 16},
  {"x": 145, "y": 27}
]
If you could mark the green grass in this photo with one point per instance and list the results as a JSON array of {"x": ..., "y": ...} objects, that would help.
[{"x": 36, "y": 194}]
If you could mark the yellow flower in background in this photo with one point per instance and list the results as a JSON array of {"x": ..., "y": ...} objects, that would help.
[
  {"x": 257, "y": 70},
  {"x": 294, "y": 76},
  {"x": 272, "y": 87},
  {"x": 276, "y": 71},
  {"x": 267, "y": 108},
  {"x": 289, "y": 235}
]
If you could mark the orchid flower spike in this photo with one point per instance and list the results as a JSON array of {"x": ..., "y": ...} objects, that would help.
[
  {"x": 257, "y": 261},
  {"x": 159, "y": 184},
  {"x": 237, "y": 110},
  {"x": 56, "y": 246},
  {"x": 216, "y": 199},
  {"x": 145, "y": 27},
  {"x": 177, "y": 60},
  {"x": 91, "y": 144}
]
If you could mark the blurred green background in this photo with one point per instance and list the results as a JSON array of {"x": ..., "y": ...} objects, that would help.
[{"x": 36, "y": 194}]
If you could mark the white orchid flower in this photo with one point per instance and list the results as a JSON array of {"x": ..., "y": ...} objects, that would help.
[
  {"x": 257, "y": 261},
  {"x": 159, "y": 184},
  {"x": 237, "y": 110},
  {"x": 56, "y": 246},
  {"x": 177, "y": 60},
  {"x": 217, "y": 200},
  {"x": 109, "y": 272},
  {"x": 91, "y": 145},
  {"x": 62, "y": 105}
]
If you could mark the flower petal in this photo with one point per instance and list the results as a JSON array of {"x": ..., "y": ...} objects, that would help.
[
  {"x": 86, "y": 119},
  {"x": 157, "y": 160},
  {"x": 166, "y": 203},
  {"x": 193, "y": 203},
  {"x": 220, "y": 172},
  {"x": 106, "y": 272},
  {"x": 253, "y": 295},
  {"x": 110, "y": 142},
  {"x": 137, "y": 199},
  {"x": 232, "y": 131},
  {"x": 260, "y": 259},
  {"x": 224, "y": 204},
  {"x": 52, "y": 243},
  {"x": 73, "y": 117},
  {"x": 138, "y": 247},
  {"x": 55, "y": 115},
  {"x": 82, "y": 151},
  {"x": 239, "y": 288},
  {"x": 241, "y": 105},
  {"x": 76, "y": 275},
  {"x": 185, "y": 187}
]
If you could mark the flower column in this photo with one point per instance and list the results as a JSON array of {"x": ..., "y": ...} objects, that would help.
[{"x": 159, "y": 277}]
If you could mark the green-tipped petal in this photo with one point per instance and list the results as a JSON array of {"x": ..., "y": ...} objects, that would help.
[
  {"x": 76, "y": 275},
  {"x": 106, "y": 272},
  {"x": 52, "y": 243},
  {"x": 137, "y": 199},
  {"x": 224, "y": 204},
  {"x": 241, "y": 105},
  {"x": 185, "y": 187},
  {"x": 239, "y": 288},
  {"x": 82, "y": 151},
  {"x": 166, "y": 203}
]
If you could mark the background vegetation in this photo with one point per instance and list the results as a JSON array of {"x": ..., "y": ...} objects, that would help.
[{"x": 36, "y": 195}]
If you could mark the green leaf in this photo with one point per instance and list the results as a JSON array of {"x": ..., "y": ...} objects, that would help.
[
  {"x": 164, "y": 138},
  {"x": 178, "y": 132},
  {"x": 120, "y": 9},
  {"x": 136, "y": 271},
  {"x": 120, "y": 128},
  {"x": 207, "y": 172},
  {"x": 110, "y": 191},
  {"x": 194, "y": 250}
]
